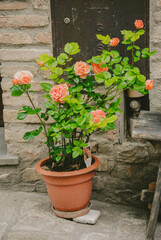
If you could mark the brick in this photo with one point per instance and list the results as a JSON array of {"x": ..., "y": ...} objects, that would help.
[
  {"x": 13, "y": 6},
  {"x": 21, "y": 54},
  {"x": 159, "y": 3},
  {"x": 30, "y": 175},
  {"x": 40, "y": 4},
  {"x": 132, "y": 152},
  {"x": 9, "y": 100},
  {"x": 15, "y": 38},
  {"x": 23, "y": 21},
  {"x": 14, "y": 133},
  {"x": 157, "y": 16},
  {"x": 10, "y": 70},
  {"x": 11, "y": 116},
  {"x": 43, "y": 37}
]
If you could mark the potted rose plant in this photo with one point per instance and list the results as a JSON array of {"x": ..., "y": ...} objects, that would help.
[{"x": 75, "y": 110}]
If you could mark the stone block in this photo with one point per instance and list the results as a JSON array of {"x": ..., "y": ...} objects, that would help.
[
  {"x": 15, "y": 38},
  {"x": 159, "y": 3},
  {"x": 156, "y": 34},
  {"x": 99, "y": 182},
  {"x": 132, "y": 152},
  {"x": 43, "y": 37},
  {"x": 30, "y": 175},
  {"x": 15, "y": 134},
  {"x": 28, "y": 152},
  {"x": 28, "y": 21},
  {"x": 9, "y": 100},
  {"x": 90, "y": 218},
  {"x": 157, "y": 16},
  {"x": 13, "y": 6},
  {"x": 93, "y": 146},
  {"x": 11, "y": 116},
  {"x": 8, "y": 160},
  {"x": 22, "y": 55},
  {"x": 10, "y": 69},
  {"x": 40, "y": 4},
  {"x": 106, "y": 162}
]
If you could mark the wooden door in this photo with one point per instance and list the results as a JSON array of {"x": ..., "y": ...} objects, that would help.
[
  {"x": 1, "y": 106},
  {"x": 80, "y": 21}
]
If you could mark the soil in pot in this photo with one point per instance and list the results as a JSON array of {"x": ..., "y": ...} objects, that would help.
[{"x": 69, "y": 164}]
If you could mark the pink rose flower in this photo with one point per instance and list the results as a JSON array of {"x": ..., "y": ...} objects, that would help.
[
  {"x": 59, "y": 92},
  {"x": 97, "y": 115},
  {"x": 114, "y": 42},
  {"x": 139, "y": 24},
  {"x": 40, "y": 63},
  {"x": 149, "y": 84},
  {"x": 97, "y": 68},
  {"x": 81, "y": 69},
  {"x": 15, "y": 81},
  {"x": 23, "y": 77}
]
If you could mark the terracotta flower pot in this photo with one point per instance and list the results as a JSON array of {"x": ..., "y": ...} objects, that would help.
[{"x": 69, "y": 191}]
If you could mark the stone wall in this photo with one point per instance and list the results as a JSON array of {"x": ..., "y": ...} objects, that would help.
[{"x": 125, "y": 168}]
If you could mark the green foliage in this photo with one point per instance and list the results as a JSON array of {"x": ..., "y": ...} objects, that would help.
[
  {"x": 32, "y": 134},
  {"x": 104, "y": 39},
  {"x": 69, "y": 121},
  {"x": 72, "y": 48},
  {"x": 16, "y": 90}
]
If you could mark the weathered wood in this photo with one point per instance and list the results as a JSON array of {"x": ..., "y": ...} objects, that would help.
[
  {"x": 155, "y": 208},
  {"x": 148, "y": 126},
  {"x": 147, "y": 196}
]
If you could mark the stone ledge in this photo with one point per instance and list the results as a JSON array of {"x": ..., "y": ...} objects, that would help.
[{"x": 8, "y": 160}]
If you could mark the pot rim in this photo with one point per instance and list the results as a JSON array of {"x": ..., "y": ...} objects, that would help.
[{"x": 66, "y": 174}]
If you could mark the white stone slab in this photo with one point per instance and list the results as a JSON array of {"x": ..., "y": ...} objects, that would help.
[{"x": 90, "y": 218}]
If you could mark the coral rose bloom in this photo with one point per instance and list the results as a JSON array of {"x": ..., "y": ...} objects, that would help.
[
  {"x": 24, "y": 77},
  {"x": 81, "y": 69},
  {"x": 149, "y": 84},
  {"x": 114, "y": 42},
  {"x": 97, "y": 68},
  {"x": 15, "y": 81},
  {"x": 139, "y": 24},
  {"x": 59, "y": 92},
  {"x": 97, "y": 115},
  {"x": 40, "y": 63}
]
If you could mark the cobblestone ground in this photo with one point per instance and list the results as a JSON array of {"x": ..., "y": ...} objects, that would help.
[{"x": 29, "y": 216}]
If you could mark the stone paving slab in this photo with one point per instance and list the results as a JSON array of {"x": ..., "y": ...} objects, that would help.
[{"x": 29, "y": 216}]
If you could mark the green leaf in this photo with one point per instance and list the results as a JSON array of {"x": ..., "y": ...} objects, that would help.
[
  {"x": 72, "y": 48},
  {"x": 141, "y": 78},
  {"x": 141, "y": 32},
  {"x": 46, "y": 86},
  {"x": 58, "y": 71},
  {"x": 135, "y": 37},
  {"x": 99, "y": 77},
  {"x": 16, "y": 91},
  {"x": 129, "y": 48},
  {"x": 21, "y": 115},
  {"x": 111, "y": 119},
  {"x": 77, "y": 89},
  {"x": 122, "y": 85},
  {"x": 96, "y": 60},
  {"x": 76, "y": 152},
  {"x": 49, "y": 104},
  {"x": 137, "y": 53},
  {"x": 32, "y": 134},
  {"x": 104, "y": 39}
]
